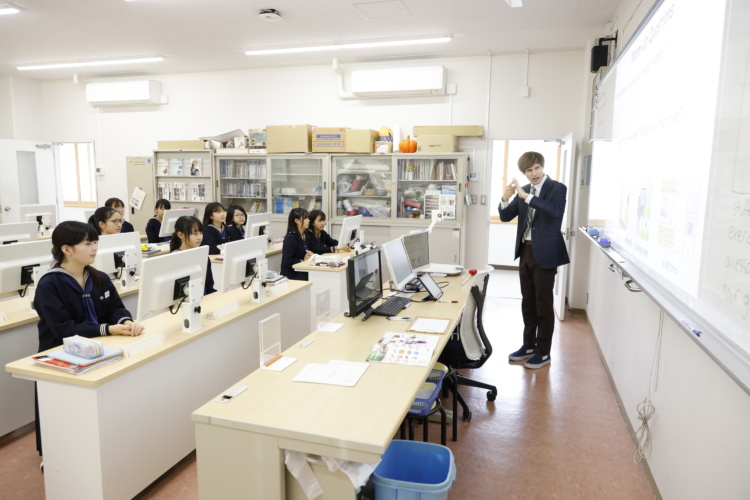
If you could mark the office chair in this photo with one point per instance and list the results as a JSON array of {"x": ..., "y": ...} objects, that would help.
[{"x": 468, "y": 349}]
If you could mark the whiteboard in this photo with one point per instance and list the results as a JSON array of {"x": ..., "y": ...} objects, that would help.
[{"x": 670, "y": 182}]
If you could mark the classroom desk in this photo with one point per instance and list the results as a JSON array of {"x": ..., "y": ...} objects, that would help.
[
  {"x": 19, "y": 338},
  {"x": 111, "y": 432},
  {"x": 273, "y": 254},
  {"x": 332, "y": 278},
  {"x": 241, "y": 444}
]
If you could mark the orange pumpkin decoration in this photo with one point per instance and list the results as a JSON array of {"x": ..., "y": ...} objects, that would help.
[{"x": 408, "y": 145}]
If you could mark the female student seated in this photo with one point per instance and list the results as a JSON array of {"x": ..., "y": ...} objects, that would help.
[
  {"x": 106, "y": 221},
  {"x": 73, "y": 298},
  {"x": 118, "y": 205},
  {"x": 320, "y": 241},
  {"x": 236, "y": 226},
  {"x": 214, "y": 229},
  {"x": 153, "y": 226},
  {"x": 188, "y": 233},
  {"x": 295, "y": 248}
]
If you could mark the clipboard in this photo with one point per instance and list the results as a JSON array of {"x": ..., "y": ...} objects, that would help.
[{"x": 416, "y": 320}]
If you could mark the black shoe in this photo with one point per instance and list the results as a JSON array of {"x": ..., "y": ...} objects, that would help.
[
  {"x": 521, "y": 354},
  {"x": 537, "y": 361}
]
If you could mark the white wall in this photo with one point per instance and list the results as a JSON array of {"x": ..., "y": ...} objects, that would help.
[{"x": 202, "y": 104}]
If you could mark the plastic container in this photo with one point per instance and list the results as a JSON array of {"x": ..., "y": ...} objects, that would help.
[
  {"x": 427, "y": 395},
  {"x": 413, "y": 470}
]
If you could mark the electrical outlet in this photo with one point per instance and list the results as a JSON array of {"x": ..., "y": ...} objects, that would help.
[
  {"x": 483, "y": 199},
  {"x": 473, "y": 176},
  {"x": 473, "y": 199}
]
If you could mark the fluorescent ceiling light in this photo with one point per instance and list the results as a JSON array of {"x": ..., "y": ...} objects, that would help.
[
  {"x": 355, "y": 45},
  {"x": 106, "y": 62},
  {"x": 514, "y": 3},
  {"x": 6, "y": 8}
]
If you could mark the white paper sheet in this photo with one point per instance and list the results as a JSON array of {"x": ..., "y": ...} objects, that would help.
[
  {"x": 429, "y": 325},
  {"x": 346, "y": 373}
]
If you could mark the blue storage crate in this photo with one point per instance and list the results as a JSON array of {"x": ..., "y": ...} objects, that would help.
[
  {"x": 411, "y": 470},
  {"x": 427, "y": 394}
]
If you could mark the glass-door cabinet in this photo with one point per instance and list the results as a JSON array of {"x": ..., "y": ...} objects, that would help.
[
  {"x": 298, "y": 182},
  {"x": 244, "y": 182},
  {"x": 363, "y": 185},
  {"x": 425, "y": 184}
]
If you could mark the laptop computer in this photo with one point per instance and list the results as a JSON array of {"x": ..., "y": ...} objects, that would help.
[{"x": 417, "y": 246}]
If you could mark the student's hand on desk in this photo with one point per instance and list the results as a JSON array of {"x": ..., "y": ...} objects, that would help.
[
  {"x": 308, "y": 254},
  {"x": 130, "y": 328},
  {"x": 343, "y": 249}
]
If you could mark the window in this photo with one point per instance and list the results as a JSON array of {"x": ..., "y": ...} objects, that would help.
[
  {"x": 78, "y": 173},
  {"x": 505, "y": 156}
]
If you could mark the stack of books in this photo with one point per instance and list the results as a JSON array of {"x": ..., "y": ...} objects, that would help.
[
  {"x": 277, "y": 282},
  {"x": 70, "y": 363}
]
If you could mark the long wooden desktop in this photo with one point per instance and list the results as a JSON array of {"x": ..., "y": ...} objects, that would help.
[
  {"x": 241, "y": 443},
  {"x": 111, "y": 432}
]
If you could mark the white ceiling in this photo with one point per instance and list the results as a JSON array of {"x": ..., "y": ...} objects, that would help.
[{"x": 208, "y": 35}]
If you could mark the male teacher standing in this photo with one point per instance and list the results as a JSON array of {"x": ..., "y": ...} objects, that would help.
[{"x": 539, "y": 207}]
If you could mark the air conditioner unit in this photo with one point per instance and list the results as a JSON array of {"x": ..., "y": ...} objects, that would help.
[
  {"x": 426, "y": 80},
  {"x": 127, "y": 93}
]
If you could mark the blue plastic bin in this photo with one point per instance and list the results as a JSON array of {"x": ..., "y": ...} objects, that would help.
[{"x": 413, "y": 470}]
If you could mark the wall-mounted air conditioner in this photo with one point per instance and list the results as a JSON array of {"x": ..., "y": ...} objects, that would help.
[
  {"x": 426, "y": 80},
  {"x": 127, "y": 93}
]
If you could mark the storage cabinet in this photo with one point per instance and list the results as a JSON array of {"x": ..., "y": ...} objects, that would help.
[
  {"x": 426, "y": 184},
  {"x": 298, "y": 181},
  {"x": 244, "y": 182},
  {"x": 363, "y": 186},
  {"x": 185, "y": 178}
]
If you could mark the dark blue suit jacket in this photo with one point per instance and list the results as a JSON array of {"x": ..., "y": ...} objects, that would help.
[{"x": 548, "y": 243}]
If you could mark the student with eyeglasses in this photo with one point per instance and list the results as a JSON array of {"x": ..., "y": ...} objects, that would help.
[
  {"x": 106, "y": 220},
  {"x": 118, "y": 205}
]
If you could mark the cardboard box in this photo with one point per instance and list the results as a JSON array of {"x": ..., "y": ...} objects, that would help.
[
  {"x": 197, "y": 144},
  {"x": 445, "y": 143},
  {"x": 360, "y": 140},
  {"x": 256, "y": 139},
  {"x": 289, "y": 138},
  {"x": 329, "y": 140},
  {"x": 458, "y": 130},
  {"x": 383, "y": 147}
]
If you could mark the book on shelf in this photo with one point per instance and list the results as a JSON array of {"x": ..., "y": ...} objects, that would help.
[
  {"x": 198, "y": 191},
  {"x": 162, "y": 166},
  {"x": 196, "y": 166},
  {"x": 179, "y": 193},
  {"x": 175, "y": 166}
]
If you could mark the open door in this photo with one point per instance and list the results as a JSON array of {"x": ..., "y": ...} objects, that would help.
[
  {"x": 565, "y": 175},
  {"x": 29, "y": 177}
]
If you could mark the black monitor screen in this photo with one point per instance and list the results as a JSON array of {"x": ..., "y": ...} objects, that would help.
[{"x": 364, "y": 281}]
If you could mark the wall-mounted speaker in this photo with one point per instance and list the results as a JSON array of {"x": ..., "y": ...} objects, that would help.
[{"x": 599, "y": 57}]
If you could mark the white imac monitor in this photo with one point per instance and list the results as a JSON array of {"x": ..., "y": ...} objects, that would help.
[
  {"x": 398, "y": 264},
  {"x": 258, "y": 225},
  {"x": 111, "y": 251},
  {"x": 350, "y": 228},
  {"x": 241, "y": 260},
  {"x": 417, "y": 247},
  {"x": 41, "y": 214},
  {"x": 17, "y": 263},
  {"x": 16, "y": 232},
  {"x": 165, "y": 278},
  {"x": 170, "y": 217}
]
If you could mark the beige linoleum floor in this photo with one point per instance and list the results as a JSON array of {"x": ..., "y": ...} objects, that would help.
[{"x": 553, "y": 433}]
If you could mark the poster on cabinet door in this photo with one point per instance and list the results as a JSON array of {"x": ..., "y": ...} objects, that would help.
[{"x": 448, "y": 206}]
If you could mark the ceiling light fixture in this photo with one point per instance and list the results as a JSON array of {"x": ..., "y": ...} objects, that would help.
[
  {"x": 514, "y": 3},
  {"x": 104, "y": 62},
  {"x": 355, "y": 45},
  {"x": 6, "y": 8}
]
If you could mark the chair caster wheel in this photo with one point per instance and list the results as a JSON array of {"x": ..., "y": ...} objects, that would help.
[
  {"x": 467, "y": 416},
  {"x": 491, "y": 396}
]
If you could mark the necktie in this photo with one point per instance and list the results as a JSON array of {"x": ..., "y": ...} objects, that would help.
[{"x": 529, "y": 218}]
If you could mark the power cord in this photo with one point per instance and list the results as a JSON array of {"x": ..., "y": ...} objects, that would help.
[{"x": 643, "y": 434}]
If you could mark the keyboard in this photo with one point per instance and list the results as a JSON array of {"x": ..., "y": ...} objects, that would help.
[{"x": 391, "y": 306}]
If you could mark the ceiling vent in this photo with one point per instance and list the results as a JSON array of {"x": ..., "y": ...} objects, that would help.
[
  {"x": 130, "y": 93},
  {"x": 420, "y": 81}
]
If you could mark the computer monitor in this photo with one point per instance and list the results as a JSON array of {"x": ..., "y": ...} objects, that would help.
[
  {"x": 417, "y": 245},
  {"x": 112, "y": 248},
  {"x": 15, "y": 232},
  {"x": 170, "y": 217},
  {"x": 241, "y": 258},
  {"x": 258, "y": 225},
  {"x": 165, "y": 278},
  {"x": 41, "y": 214},
  {"x": 364, "y": 281},
  {"x": 350, "y": 228},
  {"x": 398, "y": 264},
  {"x": 17, "y": 263}
]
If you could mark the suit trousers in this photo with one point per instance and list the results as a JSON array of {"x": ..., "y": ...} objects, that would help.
[{"x": 537, "y": 286}]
